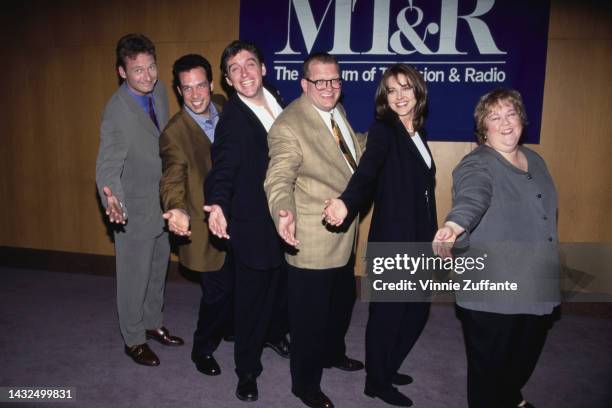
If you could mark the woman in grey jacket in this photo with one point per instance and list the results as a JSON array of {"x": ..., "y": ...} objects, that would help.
[{"x": 504, "y": 209}]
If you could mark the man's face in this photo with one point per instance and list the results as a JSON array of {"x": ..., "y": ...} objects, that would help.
[
  {"x": 195, "y": 90},
  {"x": 245, "y": 73},
  {"x": 140, "y": 73},
  {"x": 326, "y": 98}
]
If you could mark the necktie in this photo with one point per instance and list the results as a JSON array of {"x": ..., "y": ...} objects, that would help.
[
  {"x": 152, "y": 113},
  {"x": 343, "y": 147}
]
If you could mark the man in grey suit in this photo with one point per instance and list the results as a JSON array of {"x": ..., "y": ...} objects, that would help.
[{"x": 128, "y": 170}]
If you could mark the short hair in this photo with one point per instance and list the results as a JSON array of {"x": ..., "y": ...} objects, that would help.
[
  {"x": 234, "y": 48},
  {"x": 130, "y": 45},
  {"x": 322, "y": 57},
  {"x": 493, "y": 98},
  {"x": 187, "y": 63},
  {"x": 414, "y": 77}
]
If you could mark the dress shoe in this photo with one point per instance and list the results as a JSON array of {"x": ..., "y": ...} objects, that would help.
[
  {"x": 349, "y": 364},
  {"x": 247, "y": 388},
  {"x": 206, "y": 364},
  {"x": 391, "y": 396},
  {"x": 315, "y": 399},
  {"x": 163, "y": 336},
  {"x": 281, "y": 347},
  {"x": 142, "y": 354},
  {"x": 401, "y": 379}
]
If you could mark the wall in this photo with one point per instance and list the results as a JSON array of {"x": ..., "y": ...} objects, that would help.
[{"x": 58, "y": 75}]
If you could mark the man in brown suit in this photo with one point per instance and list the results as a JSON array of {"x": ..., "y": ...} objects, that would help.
[
  {"x": 185, "y": 151},
  {"x": 313, "y": 153}
]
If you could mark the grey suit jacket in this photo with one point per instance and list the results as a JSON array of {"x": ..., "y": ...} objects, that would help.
[
  {"x": 306, "y": 168},
  {"x": 129, "y": 162}
]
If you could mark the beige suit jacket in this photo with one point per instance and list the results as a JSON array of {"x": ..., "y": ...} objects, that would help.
[
  {"x": 185, "y": 152},
  {"x": 306, "y": 168}
]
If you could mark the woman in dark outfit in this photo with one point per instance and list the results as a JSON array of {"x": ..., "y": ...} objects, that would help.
[
  {"x": 397, "y": 169},
  {"x": 505, "y": 205}
]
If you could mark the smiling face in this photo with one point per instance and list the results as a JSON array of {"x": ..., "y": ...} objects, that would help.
[
  {"x": 245, "y": 73},
  {"x": 195, "y": 90},
  {"x": 401, "y": 97},
  {"x": 140, "y": 73},
  {"x": 327, "y": 98},
  {"x": 503, "y": 127}
]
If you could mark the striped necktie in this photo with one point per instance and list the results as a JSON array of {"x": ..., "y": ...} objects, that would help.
[{"x": 342, "y": 144}]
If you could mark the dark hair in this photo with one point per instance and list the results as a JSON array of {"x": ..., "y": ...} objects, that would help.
[
  {"x": 384, "y": 112},
  {"x": 491, "y": 99},
  {"x": 321, "y": 57},
  {"x": 130, "y": 45},
  {"x": 234, "y": 48},
  {"x": 187, "y": 63}
]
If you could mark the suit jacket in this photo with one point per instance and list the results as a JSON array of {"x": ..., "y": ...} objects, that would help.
[
  {"x": 185, "y": 153},
  {"x": 128, "y": 159},
  {"x": 235, "y": 182},
  {"x": 393, "y": 173},
  {"x": 306, "y": 168}
]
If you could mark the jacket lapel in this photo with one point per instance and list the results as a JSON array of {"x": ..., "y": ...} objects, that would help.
[
  {"x": 137, "y": 110},
  {"x": 407, "y": 141},
  {"x": 322, "y": 136}
]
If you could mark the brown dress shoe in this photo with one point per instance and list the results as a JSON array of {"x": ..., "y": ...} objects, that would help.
[
  {"x": 142, "y": 354},
  {"x": 163, "y": 336}
]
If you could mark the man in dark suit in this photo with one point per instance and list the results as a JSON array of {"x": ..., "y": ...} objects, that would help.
[
  {"x": 184, "y": 147},
  {"x": 128, "y": 170},
  {"x": 234, "y": 188}
]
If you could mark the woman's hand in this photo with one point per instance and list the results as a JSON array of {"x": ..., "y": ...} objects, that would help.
[
  {"x": 445, "y": 239},
  {"x": 335, "y": 211}
]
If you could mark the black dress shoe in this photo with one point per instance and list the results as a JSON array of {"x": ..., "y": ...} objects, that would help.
[
  {"x": 142, "y": 354},
  {"x": 281, "y": 347},
  {"x": 163, "y": 336},
  {"x": 401, "y": 379},
  {"x": 206, "y": 364},
  {"x": 391, "y": 396},
  {"x": 315, "y": 399},
  {"x": 247, "y": 388},
  {"x": 349, "y": 364}
]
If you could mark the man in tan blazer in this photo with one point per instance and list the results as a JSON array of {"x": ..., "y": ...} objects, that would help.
[
  {"x": 185, "y": 151},
  {"x": 313, "y": 153}
]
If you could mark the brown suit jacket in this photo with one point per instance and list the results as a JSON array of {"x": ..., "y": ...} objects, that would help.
[
  {"x": 306, "y": 168},
  {"x": 185, "y": 153}
]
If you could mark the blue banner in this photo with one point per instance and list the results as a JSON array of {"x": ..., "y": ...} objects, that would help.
[{"x": 463, "y": 48}]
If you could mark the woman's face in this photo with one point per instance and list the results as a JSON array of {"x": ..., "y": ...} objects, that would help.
[
  {"x": 504, "y": 127},
  {"x": 400, "y": 96}
]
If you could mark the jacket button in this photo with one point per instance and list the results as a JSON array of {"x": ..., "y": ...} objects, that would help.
[
  {"x": 545, "y": 218},
  {"x": 539, "y": 195},
  {"x": 550, "y": 239}
]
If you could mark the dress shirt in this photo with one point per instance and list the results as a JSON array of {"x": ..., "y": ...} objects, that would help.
[
  {"x": 207, "y": 124},
  {"x": 262, "y": 113}
]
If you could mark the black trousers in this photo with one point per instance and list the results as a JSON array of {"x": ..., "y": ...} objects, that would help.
[
  {"x": 216, "y": 306},
  {"x": 256, "y": 295},
  {"x": 392, "y": 330},
  {"x": 502, "y": 352},
  {"x": 320, "y": 307}
]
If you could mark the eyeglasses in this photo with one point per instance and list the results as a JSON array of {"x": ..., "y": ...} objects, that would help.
[{"x": 321, "y": 84}]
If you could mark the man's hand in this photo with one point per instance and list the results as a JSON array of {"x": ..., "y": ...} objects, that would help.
[
  {"x": 335, "y": 211},
  {"x": 217, "y": 223},
  {"x": 114, "y": 208},
  {"x": 178, "y": 222},
  {"x": 286, "y": 227}
]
